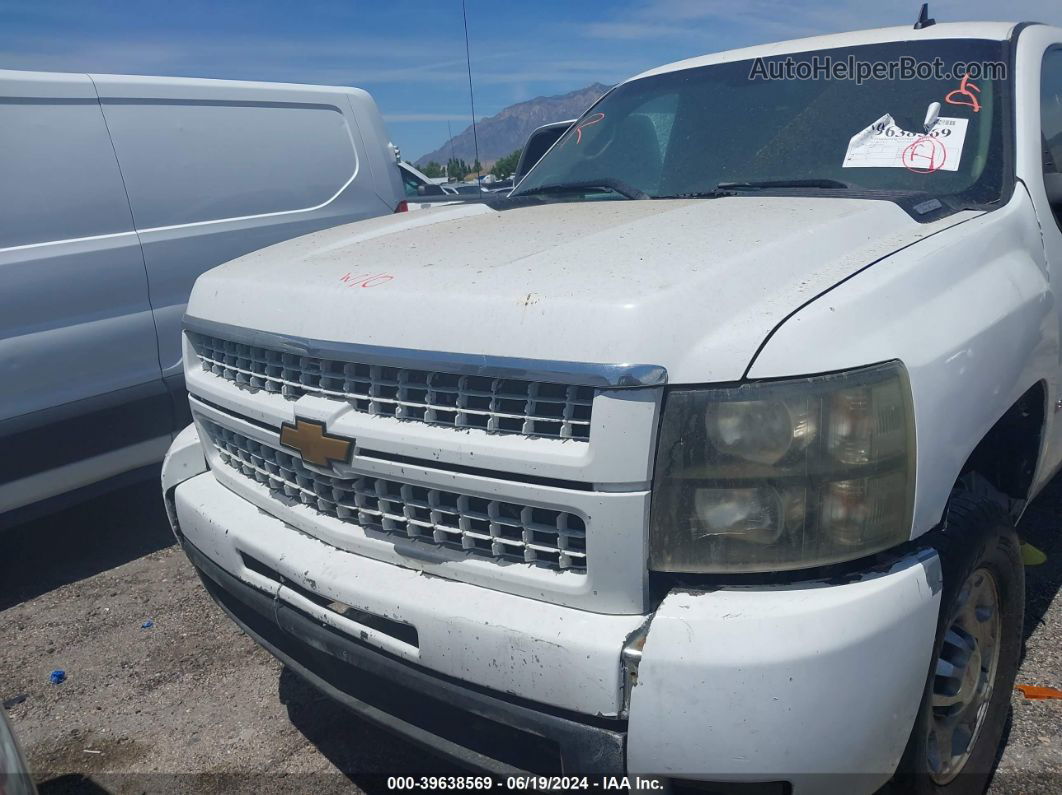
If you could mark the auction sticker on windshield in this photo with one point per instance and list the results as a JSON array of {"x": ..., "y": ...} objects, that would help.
[{"x": 886, "y": 145}]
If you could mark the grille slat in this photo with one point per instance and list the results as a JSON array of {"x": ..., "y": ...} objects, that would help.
[
  {"x": 496, "y": 405},
  {"x": 494, "y": 529}
]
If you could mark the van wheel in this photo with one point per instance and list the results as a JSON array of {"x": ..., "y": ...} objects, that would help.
[{"x": 966, "y": 701}]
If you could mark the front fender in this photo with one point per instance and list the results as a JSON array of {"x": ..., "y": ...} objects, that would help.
[{"x": 970, "y": 313}]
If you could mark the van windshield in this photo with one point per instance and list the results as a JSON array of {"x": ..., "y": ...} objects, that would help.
[{"x": 776, "y": 121}]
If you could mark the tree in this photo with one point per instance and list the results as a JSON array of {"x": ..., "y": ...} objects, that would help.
[
  {"x": 477, "y": 167},
  {"x": 457, "y": 169},
  {"x": 505, "y": 167},
  {"x": 433, "y": 170}
]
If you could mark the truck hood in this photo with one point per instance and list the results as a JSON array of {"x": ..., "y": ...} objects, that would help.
[{"x": 694, "y": 286}]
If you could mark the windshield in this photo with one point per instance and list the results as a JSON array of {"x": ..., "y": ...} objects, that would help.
[{"x": 690, "y": 131}]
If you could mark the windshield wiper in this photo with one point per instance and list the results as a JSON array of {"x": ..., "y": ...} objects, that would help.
[
  {"x": 603, "y": 183},
  {"x": 828, "y": 184},
  {"x": 730, "y": 188},
  {"x": 722, "y": 189}
]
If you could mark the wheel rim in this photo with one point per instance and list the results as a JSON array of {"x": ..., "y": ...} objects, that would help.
[{"x": 964, "y": 676}]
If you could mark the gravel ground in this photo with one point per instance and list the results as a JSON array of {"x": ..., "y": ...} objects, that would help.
[{"x": 190, "y": 704}]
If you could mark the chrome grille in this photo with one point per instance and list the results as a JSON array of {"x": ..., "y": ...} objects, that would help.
[
  {"x": 504, "y": 531},
  {"x": 496, "y": 405}
]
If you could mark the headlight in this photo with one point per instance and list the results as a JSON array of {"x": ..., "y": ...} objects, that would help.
[{"x": 784, "y": 474}]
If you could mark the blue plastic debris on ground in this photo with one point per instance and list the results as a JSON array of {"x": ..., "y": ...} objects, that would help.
[
  {"x": 147, "y": 624},
  {"x": 58, "y": 676}
]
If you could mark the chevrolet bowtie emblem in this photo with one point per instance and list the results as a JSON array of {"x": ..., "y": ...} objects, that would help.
[{"x": 315, "y": 446}]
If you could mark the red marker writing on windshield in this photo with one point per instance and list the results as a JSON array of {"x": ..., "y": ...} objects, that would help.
[
  {"x": 594, "y": 119},
  {"x": 964, "y": 95}
]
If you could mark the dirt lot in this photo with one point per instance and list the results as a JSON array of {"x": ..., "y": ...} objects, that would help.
[{"x": 190, "y": 704}]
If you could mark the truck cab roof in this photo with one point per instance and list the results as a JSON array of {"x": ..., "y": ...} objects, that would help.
[{"x": 992, "y": 31}]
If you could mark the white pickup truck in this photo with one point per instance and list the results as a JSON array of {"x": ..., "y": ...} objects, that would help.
[{"x": 698, "y": 457}]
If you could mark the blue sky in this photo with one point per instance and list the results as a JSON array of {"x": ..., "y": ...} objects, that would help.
[{"x": 410, "y": 53}]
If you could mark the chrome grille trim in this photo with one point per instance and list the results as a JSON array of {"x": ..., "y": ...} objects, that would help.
[
  {"x": 593, "y": 374},
  {"x": 497, "y": 529},
  {"x": 495, "y": 405}
]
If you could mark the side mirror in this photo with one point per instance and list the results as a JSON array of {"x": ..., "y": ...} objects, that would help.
[{"x": 537, "y": 144}]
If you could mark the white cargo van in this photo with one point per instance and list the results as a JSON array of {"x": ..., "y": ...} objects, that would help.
[
  {"x": 116, "y": 192},
  {"x": 698, "y": 457}
]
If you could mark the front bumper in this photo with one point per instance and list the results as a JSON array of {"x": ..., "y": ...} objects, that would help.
[
  {"x": 816, "y": 684},
  {"x": 475, "y": 728}
]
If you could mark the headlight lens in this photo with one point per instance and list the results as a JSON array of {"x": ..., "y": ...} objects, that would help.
[
  {"x": 785, "y": 474},
  {"x": 763, "y": 431}
]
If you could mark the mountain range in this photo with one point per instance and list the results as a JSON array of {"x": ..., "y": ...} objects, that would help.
[{"x": 507, "y": 130}]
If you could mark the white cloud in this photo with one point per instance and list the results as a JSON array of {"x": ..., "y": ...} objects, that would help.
[
  {"x": 258, "y": 57},
  {"x": 715, "y": 21},
  {"x": 462, "y": 117}
]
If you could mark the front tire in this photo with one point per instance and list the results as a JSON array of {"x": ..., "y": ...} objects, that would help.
[{"x": 954, "y": 742}]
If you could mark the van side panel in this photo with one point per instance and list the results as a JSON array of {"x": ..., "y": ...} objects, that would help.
[
  {"x": 59, "y": 177},
  {"x": 190, "y": 162},
  {"x": 385, "y": 173},
  {"x": 216, "y": 169},
  {"x": 76, "y": 328}
]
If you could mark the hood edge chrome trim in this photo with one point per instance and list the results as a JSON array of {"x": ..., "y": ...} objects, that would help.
[{"x": 593, "y": 374}]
